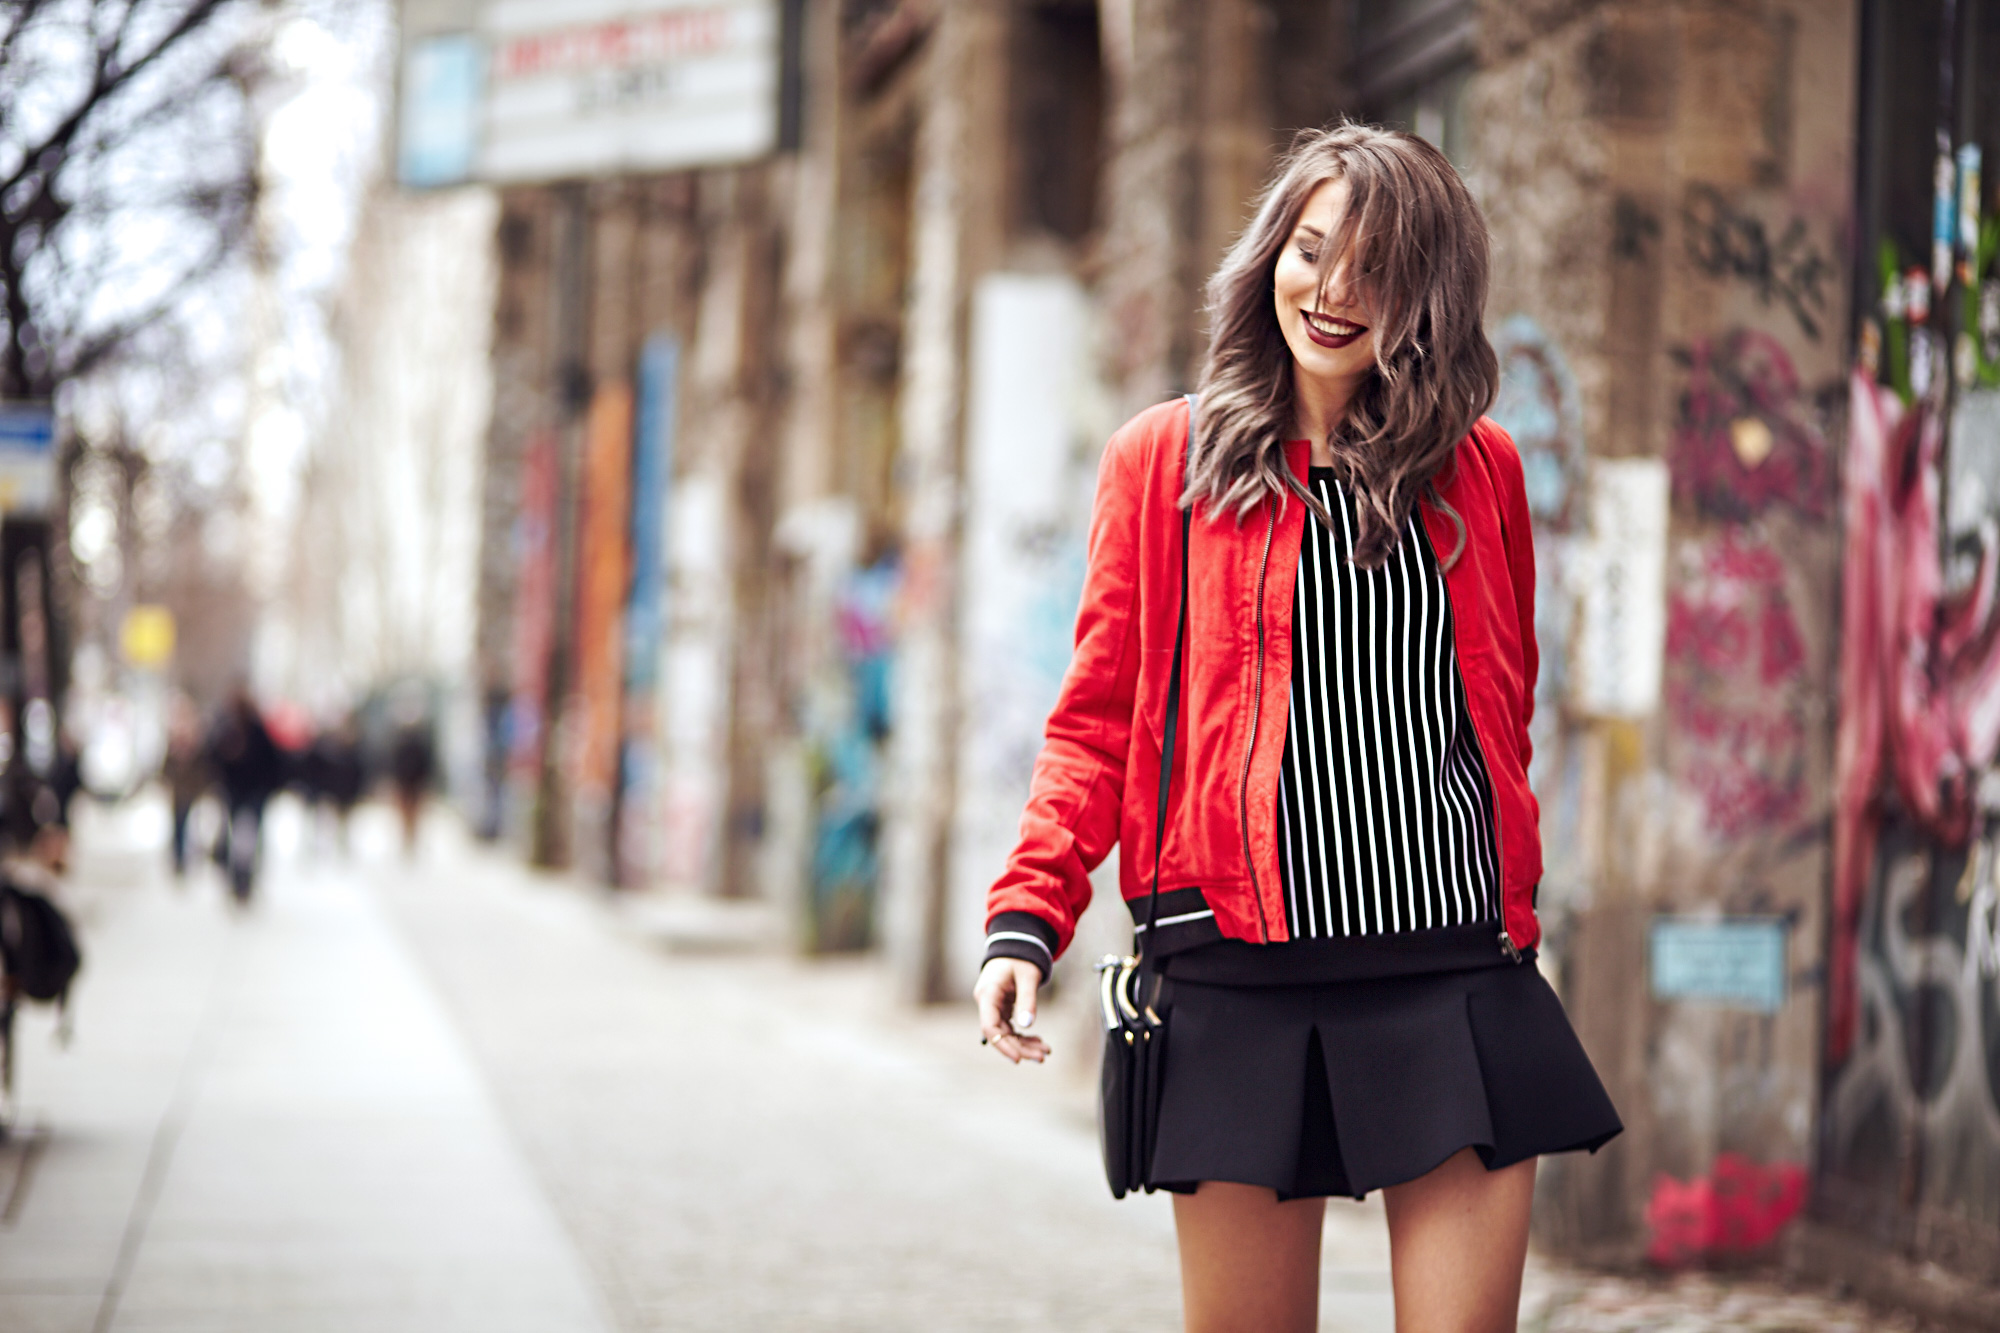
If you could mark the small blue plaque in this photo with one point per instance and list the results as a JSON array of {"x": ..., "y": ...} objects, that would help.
[{"x": 1737, "y": 962}]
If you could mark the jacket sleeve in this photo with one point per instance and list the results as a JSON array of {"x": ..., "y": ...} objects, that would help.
[
  {"x": 1518, "y": 532},
  {"x": 1074, "y": 800}
]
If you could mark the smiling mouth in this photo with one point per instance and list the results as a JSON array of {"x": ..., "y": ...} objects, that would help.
[{"x": 1330, "y": 332}]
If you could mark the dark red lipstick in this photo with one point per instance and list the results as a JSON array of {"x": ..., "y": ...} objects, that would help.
[{"x": 1333, "y": 340}]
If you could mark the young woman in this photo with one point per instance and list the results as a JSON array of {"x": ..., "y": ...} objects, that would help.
[{"x": 1347, "y": 878}]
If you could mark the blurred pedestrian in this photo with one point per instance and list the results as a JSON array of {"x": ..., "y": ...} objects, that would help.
[
  {"x": 412, "y": 767},
  {"x": 1333, "y": 885},
  {"x": 185, "y": 772},
  {"x": 20, "y": 789},
  {"x": 61, "y": 780},
  {"x": 249, "y": 769},
  {"x": 334, "y": 776},
  {"x": 41, "y": 777}
]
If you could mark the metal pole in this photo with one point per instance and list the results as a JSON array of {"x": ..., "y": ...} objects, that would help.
[{"x": 550, "y": 841}]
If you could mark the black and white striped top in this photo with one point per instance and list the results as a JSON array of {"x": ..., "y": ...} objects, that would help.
[{"x": 1384, "y": 806}]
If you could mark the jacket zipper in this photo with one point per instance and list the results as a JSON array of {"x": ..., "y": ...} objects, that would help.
[
  {"x": 1256, "y": 709},
  {"x": 1507, "y": 946},
  {"x": 1508, "y": 949}
]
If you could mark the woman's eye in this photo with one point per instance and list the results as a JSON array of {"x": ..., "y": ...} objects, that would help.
[{"x": 1311, "y": 257}]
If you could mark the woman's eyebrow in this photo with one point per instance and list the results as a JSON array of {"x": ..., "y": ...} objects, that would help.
[{"x": 1312, "y": 231}]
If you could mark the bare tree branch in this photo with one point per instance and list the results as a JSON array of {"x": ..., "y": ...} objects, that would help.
[
  {"x": 109, "y": 77},
  {"x": 17, "y": 17},
  {"x": 73, "y": 178},
  {"x": 108, "y": 342}
]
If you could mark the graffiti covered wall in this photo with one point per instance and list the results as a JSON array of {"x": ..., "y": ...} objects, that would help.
[
  {"x": 1913, "y": 1109},
  {"x": 1911, "y": 1146},
  {"x": 1669, "y": 202},
  {"x": 1754, "y": 473}
]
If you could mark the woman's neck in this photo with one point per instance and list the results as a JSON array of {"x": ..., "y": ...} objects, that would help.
[{"x": 1318, "y": 407}]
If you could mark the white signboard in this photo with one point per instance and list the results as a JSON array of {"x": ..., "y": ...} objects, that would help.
[
  {"x": 1621, "y": 585},
  {"x": 597, "y": 87}
]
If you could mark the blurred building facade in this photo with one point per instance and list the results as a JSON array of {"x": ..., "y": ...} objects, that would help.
[
  {"x": 791, "y": 462},
  {"x": 379, "y": 546}
]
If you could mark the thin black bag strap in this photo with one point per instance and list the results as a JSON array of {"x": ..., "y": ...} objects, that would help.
[{"x": 1173, "y": 701}]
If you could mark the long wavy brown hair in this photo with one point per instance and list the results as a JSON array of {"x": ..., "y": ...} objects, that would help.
[{"x": 1417, "y": 249}]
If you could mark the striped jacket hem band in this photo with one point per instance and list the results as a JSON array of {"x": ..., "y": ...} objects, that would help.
[
  {"x": 1023, "y": 936},
  {"x": 1035, "y": 940}
]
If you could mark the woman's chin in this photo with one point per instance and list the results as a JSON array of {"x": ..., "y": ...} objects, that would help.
[{"x": 1320, "y": 363}]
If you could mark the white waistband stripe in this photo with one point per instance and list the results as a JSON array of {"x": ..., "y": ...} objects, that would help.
[{"x": 1183, "y": 917}]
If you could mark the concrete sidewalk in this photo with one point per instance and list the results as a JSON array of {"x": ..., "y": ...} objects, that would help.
[
  {"x": 458, "y": 1095},
  {"x": 739, "y": 1141},
  {"x": 266, "y": 1124}
]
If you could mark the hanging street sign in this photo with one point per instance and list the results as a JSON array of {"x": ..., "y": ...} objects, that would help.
[
  {"x": 546, "y": 90},
  {"x": 27, "y": 457}
]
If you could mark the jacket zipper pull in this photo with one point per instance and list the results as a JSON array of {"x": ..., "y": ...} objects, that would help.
[{"x": 1507, "y": 946}]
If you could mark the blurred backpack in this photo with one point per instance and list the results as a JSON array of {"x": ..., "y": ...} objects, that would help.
[{"x": 37, "y": 946}]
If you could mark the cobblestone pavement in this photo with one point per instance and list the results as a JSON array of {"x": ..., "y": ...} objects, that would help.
[
  {"x": 1697, "y": 1304},
  {"x": 454, "y": 1095}
]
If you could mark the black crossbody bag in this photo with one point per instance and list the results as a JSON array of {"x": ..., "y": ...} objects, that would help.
[{"x": 1135, "y": 1031}]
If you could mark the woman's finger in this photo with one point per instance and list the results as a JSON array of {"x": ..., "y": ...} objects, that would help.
[
  {"x": 994, "y": 991},
  {"x": 1032, "y": 1048},
  {"x": 1005, "y": 994},
  {"x": 989, "y": 1013},
  {"x": 1027, "y": 980},
  {"x": 1017, "y": 1048}
]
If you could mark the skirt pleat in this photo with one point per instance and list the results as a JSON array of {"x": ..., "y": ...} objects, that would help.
[{"x": 1351, "y": 1087}]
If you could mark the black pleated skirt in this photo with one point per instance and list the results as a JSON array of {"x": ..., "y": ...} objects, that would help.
[{"x": 1349, "y": 1087}]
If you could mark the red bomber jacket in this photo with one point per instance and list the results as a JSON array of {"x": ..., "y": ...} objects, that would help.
[{"x": 1096, "y": 781}]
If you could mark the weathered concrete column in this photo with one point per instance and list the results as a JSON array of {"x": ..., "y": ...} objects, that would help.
[
  {"x": 1149, "y": 285},
  {"x": 958, "y": 174}
]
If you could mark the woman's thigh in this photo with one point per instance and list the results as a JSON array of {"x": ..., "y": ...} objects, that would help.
[
  {"x": 1458, "y": 1239},
  {"x": 1249, "y": 1264}
]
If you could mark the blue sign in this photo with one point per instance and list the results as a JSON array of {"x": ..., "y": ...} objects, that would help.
[
  {"x": 27, "y": 456},
  {"x": 1736, "y": 962},
  {"x": 652, "y": 477},
  {"x": 442, "y": 81},
  {"x": 27, "y": 428}
]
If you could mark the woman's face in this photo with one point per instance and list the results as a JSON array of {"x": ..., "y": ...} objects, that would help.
[{"x": 1327, "y": 329}]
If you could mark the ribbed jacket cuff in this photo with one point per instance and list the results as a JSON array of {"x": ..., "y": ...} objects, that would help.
[{"x": 1021, "y": 935}]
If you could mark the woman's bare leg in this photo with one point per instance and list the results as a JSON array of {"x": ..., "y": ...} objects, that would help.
[
  {"x": 1249, "y": 1264},
  {"x": 1458, "y": 1239}
]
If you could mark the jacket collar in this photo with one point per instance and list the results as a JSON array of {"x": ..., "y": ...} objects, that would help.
[{"x": 1298, "y": 457}]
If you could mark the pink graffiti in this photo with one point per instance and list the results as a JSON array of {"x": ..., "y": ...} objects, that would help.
[
  {"x": 1735, "y": 655},
  {"x": 1738, "y": 1208},
  {"x": 1919, "y": 672},
  {"x": 1746, "y": 376}
]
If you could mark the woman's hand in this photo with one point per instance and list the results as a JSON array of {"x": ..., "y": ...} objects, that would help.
[{"x": 1006, "y": 995}]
